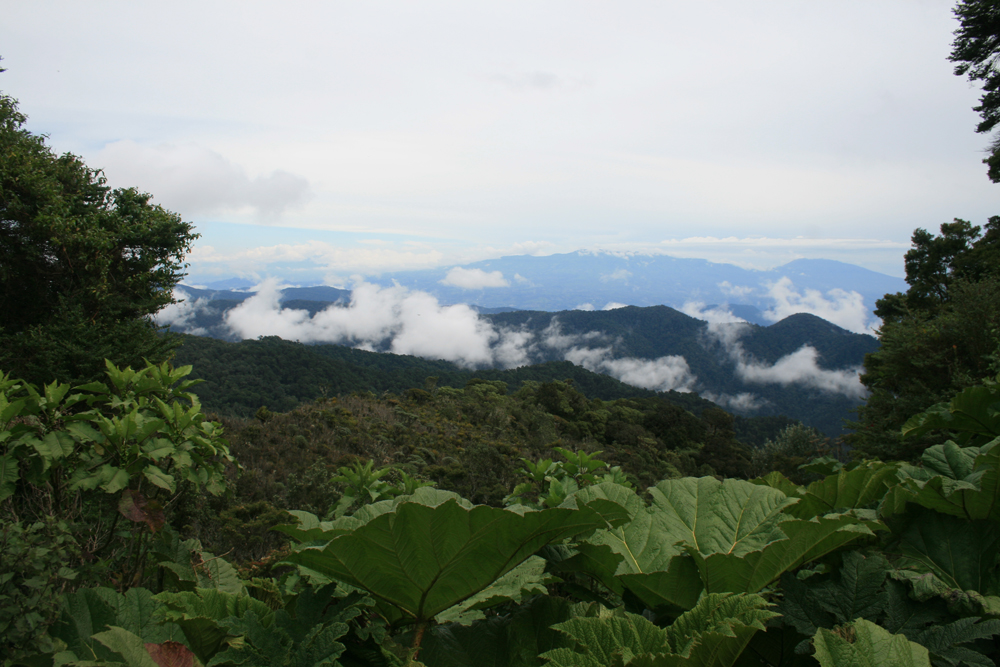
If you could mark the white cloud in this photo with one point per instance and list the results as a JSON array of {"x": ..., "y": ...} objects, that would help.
[
  {"x": 845, "y": 309},
  {"x": 738, "y": 291},
  {"x": 801, "y": 367},
  {"x": 717, "y": 315},
  {"x": 553, "y": 337},
  {"x": 179, "y": 315},
  {"x": 474, "y": 278},
  {"x": 663, "y": 374},
  {"x": 194, "y": 180},
  {"x": 585, "y": 306},
  {"x": 415, "y": 323},
  {"x": 614, "y": 305},
  {"x": 742, "y": 402},
  {"x": 393, "y": 318},
  {"x": 536, "y": 81}
]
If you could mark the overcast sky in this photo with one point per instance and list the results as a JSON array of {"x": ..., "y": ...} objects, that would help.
[{"x": 374, "y": 136}]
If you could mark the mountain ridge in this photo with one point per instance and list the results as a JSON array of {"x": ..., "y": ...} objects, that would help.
[{"x": 802, "y": 366}]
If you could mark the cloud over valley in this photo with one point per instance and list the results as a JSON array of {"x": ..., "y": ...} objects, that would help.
[{"x": 412, "y": 322}]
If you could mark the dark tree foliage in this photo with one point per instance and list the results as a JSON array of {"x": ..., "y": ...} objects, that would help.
[
  {"x": 82, "y": 267},
  {"x": 961, "y": 252},
  {"x": 939, "y": 337},
  {"x": 240, "y": 377},
  {"x": 976, "y": 52}
]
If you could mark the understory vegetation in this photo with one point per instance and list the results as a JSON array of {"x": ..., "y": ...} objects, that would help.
[{"x": 466, "y": 527}]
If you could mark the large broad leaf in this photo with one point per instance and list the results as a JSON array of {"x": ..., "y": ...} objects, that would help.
[
  {"x": 728, "y": 517},
  {"x": 190, "y": 567},
  {"x": 201, "y": 615},
  {"x": 264, "y": 644},
  {"x": 714, "y": 633},
  {"x": 130, "y": 647},
  {"x": 865, "y": 644},
  {"x": 731, "y": 516},
  {"x": 945, "y": 641},
  {"x": 855, "y": 592},
  {"x": 960, "y": 554},
  {"x": 930, "y": 624},
  {"x": 524, "y": 581},
  {"x": 733, "y": 535},
  {"x": 643, "y": 545},
  {"x": 950, "y": 460},
  {"x": 90, "y": 611},
  {"x": 974, "y": 414},
  {"x": 85, "y": 613},
  {"x": 807, "y": 541},
  {"x": 9, "y": 474},
  {"x": 974, "y": 496},
  {"x": 137, "y": 653},
  {"x": 859, "y": 488},
  {"x": 678, "y": 587},
  {"x": 616, "y": 503},
  {"x": 423, "y": 559}
]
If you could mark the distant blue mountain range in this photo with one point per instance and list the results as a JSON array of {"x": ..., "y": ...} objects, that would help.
[
  {"x": 568, "y": 281},
  {"x": 596, "y": 279}
]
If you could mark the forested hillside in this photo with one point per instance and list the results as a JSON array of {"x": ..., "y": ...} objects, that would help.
[{"x": 717, "y": 362}]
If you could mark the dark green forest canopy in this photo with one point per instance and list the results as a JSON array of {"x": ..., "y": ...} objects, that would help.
[
  {"x": 240, "y": 377},
  {"x": 82, "y": 267},
  {"x": 939, "y": 337}
]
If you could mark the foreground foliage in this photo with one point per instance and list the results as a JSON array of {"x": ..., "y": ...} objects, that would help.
[{"x": 871, "y": 563}]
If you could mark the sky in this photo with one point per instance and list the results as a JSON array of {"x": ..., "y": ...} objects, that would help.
[{"x": 364, "y": 138}]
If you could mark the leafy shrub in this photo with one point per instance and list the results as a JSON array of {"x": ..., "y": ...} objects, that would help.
[{"x": 33, "y": 575}]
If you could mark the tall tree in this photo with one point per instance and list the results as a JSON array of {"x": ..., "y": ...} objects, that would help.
[
  {"x": 82, "y": 267},
  {"x": 961, "y": 252},
  {"x": 976, "y": 50},
  {"x": 939, "y": 337}
]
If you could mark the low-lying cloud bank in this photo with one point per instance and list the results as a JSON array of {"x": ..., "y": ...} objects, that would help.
[
  {"x": 845, "y": 309},
  {"x": 392, "y": 318},
  {"x": 180, "y": 315},
  {"x": 800, "y": 367},
  {"x": 403, "y": 321},
  {"x": 663, "y": 374}
]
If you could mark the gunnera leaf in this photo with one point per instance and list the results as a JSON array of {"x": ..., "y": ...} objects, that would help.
[
  {"x": 974, "y": 496},
  {"x": 424, "y": 558},
  {"x": 200, "y": 614},
  {"x": 524, "y": 581},
  {"x": 865, "y": 644},
  {"x": 856, "y": 590},
  {"x": 961, "y": 554},
  {"x": 857, "y": 488},
  {"x": 89, "y": 611},
  {"x": 931, "y": 624},
  {"x": 714, "y": 633}
]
